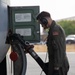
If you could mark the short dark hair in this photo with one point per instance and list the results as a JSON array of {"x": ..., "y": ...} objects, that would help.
[{"x": 42, "y": 15}]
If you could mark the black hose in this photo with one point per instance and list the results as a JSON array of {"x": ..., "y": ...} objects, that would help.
[{"x": 24, "y": 60}]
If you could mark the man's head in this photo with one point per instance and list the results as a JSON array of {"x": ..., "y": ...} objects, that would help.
[{"x": 44, "y": 18}]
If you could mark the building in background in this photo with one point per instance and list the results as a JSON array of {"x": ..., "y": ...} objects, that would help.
[{"x": 69, "y": 18}]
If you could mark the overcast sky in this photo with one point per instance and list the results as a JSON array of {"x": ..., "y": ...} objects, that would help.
[{"x": 58, "y": 8}]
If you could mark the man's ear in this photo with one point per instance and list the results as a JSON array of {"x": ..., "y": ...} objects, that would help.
[{"x": 44, "y": 21}]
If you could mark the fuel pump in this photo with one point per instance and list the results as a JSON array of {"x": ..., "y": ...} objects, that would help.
[{"x": 18, "y": 43}]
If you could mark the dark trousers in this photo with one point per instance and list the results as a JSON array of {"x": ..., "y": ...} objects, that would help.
[{"x": 56, "y": 72}]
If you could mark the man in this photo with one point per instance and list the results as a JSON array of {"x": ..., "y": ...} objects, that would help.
[{"x": 58, "y": 62}]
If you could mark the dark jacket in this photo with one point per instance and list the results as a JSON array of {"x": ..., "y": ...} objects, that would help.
[{"x": 57, "y": 49}]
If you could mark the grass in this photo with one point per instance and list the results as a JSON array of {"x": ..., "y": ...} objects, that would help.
[{"x": 43, "y": 48}]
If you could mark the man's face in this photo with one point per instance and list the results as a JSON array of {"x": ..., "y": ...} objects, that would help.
[{"x": 44, "y": 26}]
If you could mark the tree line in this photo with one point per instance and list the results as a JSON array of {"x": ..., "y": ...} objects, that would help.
[{"x": 68, "y": 26}]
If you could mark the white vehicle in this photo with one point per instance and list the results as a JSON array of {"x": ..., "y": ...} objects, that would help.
[{"x": 70, "y": 39}]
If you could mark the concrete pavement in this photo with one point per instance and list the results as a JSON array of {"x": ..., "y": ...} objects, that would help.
[{"x": 34, "y": 69}]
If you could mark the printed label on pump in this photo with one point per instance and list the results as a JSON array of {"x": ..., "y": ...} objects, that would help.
[
  {"x": 24, "y": 32},
  {"x": 23, "y": 17}
]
